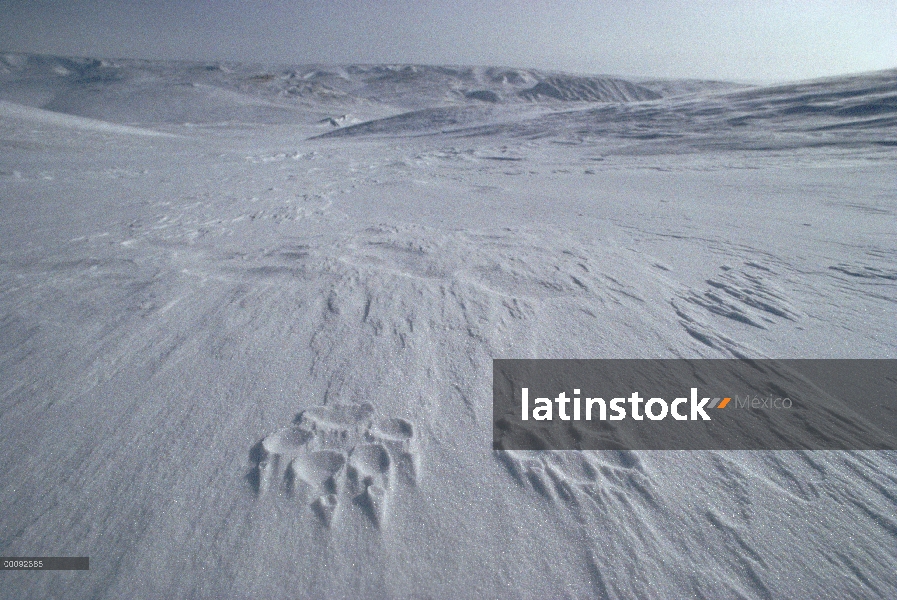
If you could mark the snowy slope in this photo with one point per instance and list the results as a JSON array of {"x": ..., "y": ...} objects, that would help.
[
  {"x": 16, "y": 113},
  {"x": 241, "y": 360},
  {"x": 858, "y": 111}
]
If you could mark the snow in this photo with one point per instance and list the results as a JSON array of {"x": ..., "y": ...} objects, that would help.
[
  {"x": 12, "y": 112},
  {"x": 240, "y": 358}
]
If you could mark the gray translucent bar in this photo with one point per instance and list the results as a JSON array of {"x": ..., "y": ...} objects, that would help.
[
  {"x": 764, "y": 404},
  {"x": 45, "y": 563}
]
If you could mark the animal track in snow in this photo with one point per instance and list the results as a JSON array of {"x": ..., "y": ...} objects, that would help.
[
  {"x": 336, "y": 456},
  {"x": 602, "y": 478}
]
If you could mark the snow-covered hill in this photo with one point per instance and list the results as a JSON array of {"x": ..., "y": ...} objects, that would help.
[
  {"x": 858, "y": 111},
  {"x": 146, "y": 91}
]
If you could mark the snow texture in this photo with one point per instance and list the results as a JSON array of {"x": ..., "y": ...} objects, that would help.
[{"x": 248, "y": 314}]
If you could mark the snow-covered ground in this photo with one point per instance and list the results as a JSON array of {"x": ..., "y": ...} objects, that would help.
[{"x": 248, "y": 314}]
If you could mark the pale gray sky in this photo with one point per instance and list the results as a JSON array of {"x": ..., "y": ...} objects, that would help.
[{"x": 748, "y": 40}]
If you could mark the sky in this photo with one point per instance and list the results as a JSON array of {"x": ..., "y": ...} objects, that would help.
[{"x": 739, "y": 40}]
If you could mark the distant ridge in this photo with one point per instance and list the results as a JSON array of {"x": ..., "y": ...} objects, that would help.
[
  {"x": 462, "y": 101},
  {"x": 144, "y": 91}
]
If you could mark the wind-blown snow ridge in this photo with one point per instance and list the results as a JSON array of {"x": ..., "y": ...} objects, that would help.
[{"x": 588, "y": 89}]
